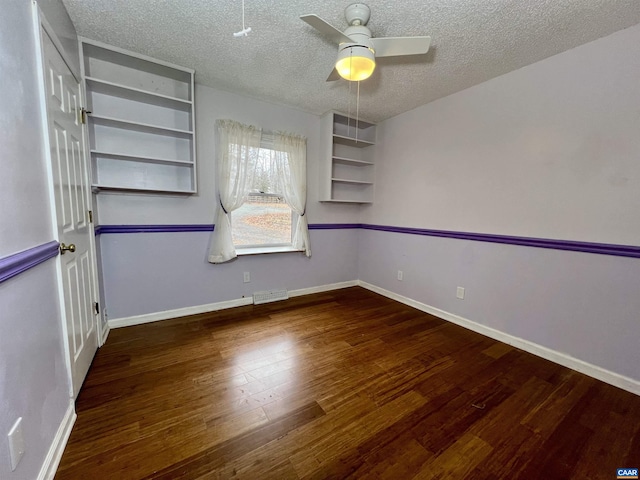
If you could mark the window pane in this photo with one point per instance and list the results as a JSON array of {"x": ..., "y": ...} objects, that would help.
[{"x": 264, "y": 219}]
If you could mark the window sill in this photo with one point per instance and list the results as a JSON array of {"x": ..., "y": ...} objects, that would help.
[{"x": 261, "y": 250}]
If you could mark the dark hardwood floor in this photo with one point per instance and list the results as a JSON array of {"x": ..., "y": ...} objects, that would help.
[{"x": 335, "y": 385}]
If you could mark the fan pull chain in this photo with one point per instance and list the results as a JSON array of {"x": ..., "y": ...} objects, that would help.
[
  {"x": 357, "y": 110},
  {"x": 349, "y": 102},
  {"x": 356, "y": 123},
  {"x": 245, "y": 31}
]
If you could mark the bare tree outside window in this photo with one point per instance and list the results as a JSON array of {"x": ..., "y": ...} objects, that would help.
[{"x": 264, "y": 219}]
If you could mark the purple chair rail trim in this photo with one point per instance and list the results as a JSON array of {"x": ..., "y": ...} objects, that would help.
[
  {"x": 570, "y": 245},
  {"x": 22, "y": 261},
  {"x": 333, "y": 226},
  {"x": 106, "y": 229},
  {"x": 586, "y": 247}
]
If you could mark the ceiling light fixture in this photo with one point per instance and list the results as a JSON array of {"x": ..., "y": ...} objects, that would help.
[
  {"x": 357, "y": 43},
  {"x": 355, "y": 62}
]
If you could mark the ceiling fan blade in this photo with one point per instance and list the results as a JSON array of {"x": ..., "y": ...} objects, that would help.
[
  {"x": 326, "y": 28},
  {"x": 398, "y": 46},
  {"x": 333, "y": 76}
]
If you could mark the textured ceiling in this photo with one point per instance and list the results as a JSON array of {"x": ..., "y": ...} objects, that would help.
[{"x": 284, "y": 60}]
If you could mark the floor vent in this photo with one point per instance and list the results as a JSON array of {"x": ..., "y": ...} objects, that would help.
[{"x": 270, "y": 296}]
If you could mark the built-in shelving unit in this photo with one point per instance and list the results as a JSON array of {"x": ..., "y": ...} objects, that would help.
[
  {"x": 141, "y": 121},
  {"x": 346, "y": 174}
]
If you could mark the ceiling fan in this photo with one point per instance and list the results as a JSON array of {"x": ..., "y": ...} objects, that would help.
[{"x": 357, "y": 50}]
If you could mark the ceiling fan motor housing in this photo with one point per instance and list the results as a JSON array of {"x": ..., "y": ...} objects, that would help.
[
  {"x": 357, "y": 14},
  {"x": 360, "y": 35}
]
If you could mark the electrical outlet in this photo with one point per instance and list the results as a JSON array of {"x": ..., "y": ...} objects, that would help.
[
  {"x": 400, "y": 275},
  {"x": 16, "y": 443},
  {"x": 460, "y": 293},
  {"x": 246, "y": 278}
]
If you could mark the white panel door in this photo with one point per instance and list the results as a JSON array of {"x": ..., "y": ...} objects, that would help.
[{"x": 71, "y": 185}]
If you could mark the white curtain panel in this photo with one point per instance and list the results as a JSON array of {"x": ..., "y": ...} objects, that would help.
[
  {"x": 291, "y": 164},
  {"x": 237, "y": 151}
]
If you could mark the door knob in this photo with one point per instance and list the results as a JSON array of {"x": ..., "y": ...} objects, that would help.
[{"x": 67, "y": 248}]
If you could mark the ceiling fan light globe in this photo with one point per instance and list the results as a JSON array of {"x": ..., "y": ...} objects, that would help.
[{"x": 355, "y": 63}]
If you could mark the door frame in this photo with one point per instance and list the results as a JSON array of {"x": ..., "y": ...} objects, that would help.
[{"x": 42, "y": 26}]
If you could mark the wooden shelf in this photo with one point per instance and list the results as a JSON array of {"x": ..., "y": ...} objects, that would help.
[
  {"x": 344, "y": 201},
  {"x": 123, "y": 156},
  {"x": 122, "y": 67},
  {"x": 345, "y": 120},
  {"x": 136, "y": 94},
  {"x": 351, "y": 142},
  {"x": 352, "y": 182},
  {"x": 351, "y": 161},
  {"x": 98, "y": 187},
  {"x": 140, "y": 127}
]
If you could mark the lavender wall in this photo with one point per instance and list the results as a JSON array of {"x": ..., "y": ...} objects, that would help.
[
  {"x": 148, "y": 273},
  {"x": 33, "y": 377},
  {"x": 155, "y": 272},
  {"x": 548, "y": 151},
  {"x": 25, "y": 214},
  {"x": 581, "y": 304}
]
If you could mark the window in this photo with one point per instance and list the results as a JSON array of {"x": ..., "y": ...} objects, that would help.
[
  {"x": 269, "y": 172},
  {"x": 264, "y": 219}
]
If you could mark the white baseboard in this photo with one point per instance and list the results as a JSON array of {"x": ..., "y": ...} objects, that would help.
[
  {"x": 178, "y": 312},
  {"x": 323, "y": 288},
  {"x": 104, "y": 334},
  {"x": 213, "y": 307},
  {"x": 51, "y": 462},
  {"x": 563, "y": 359}
]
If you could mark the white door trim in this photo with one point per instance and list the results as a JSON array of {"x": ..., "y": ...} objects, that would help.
[
  {"x": 103, "y": 327},
  {"x": 40, "y": 27}
]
